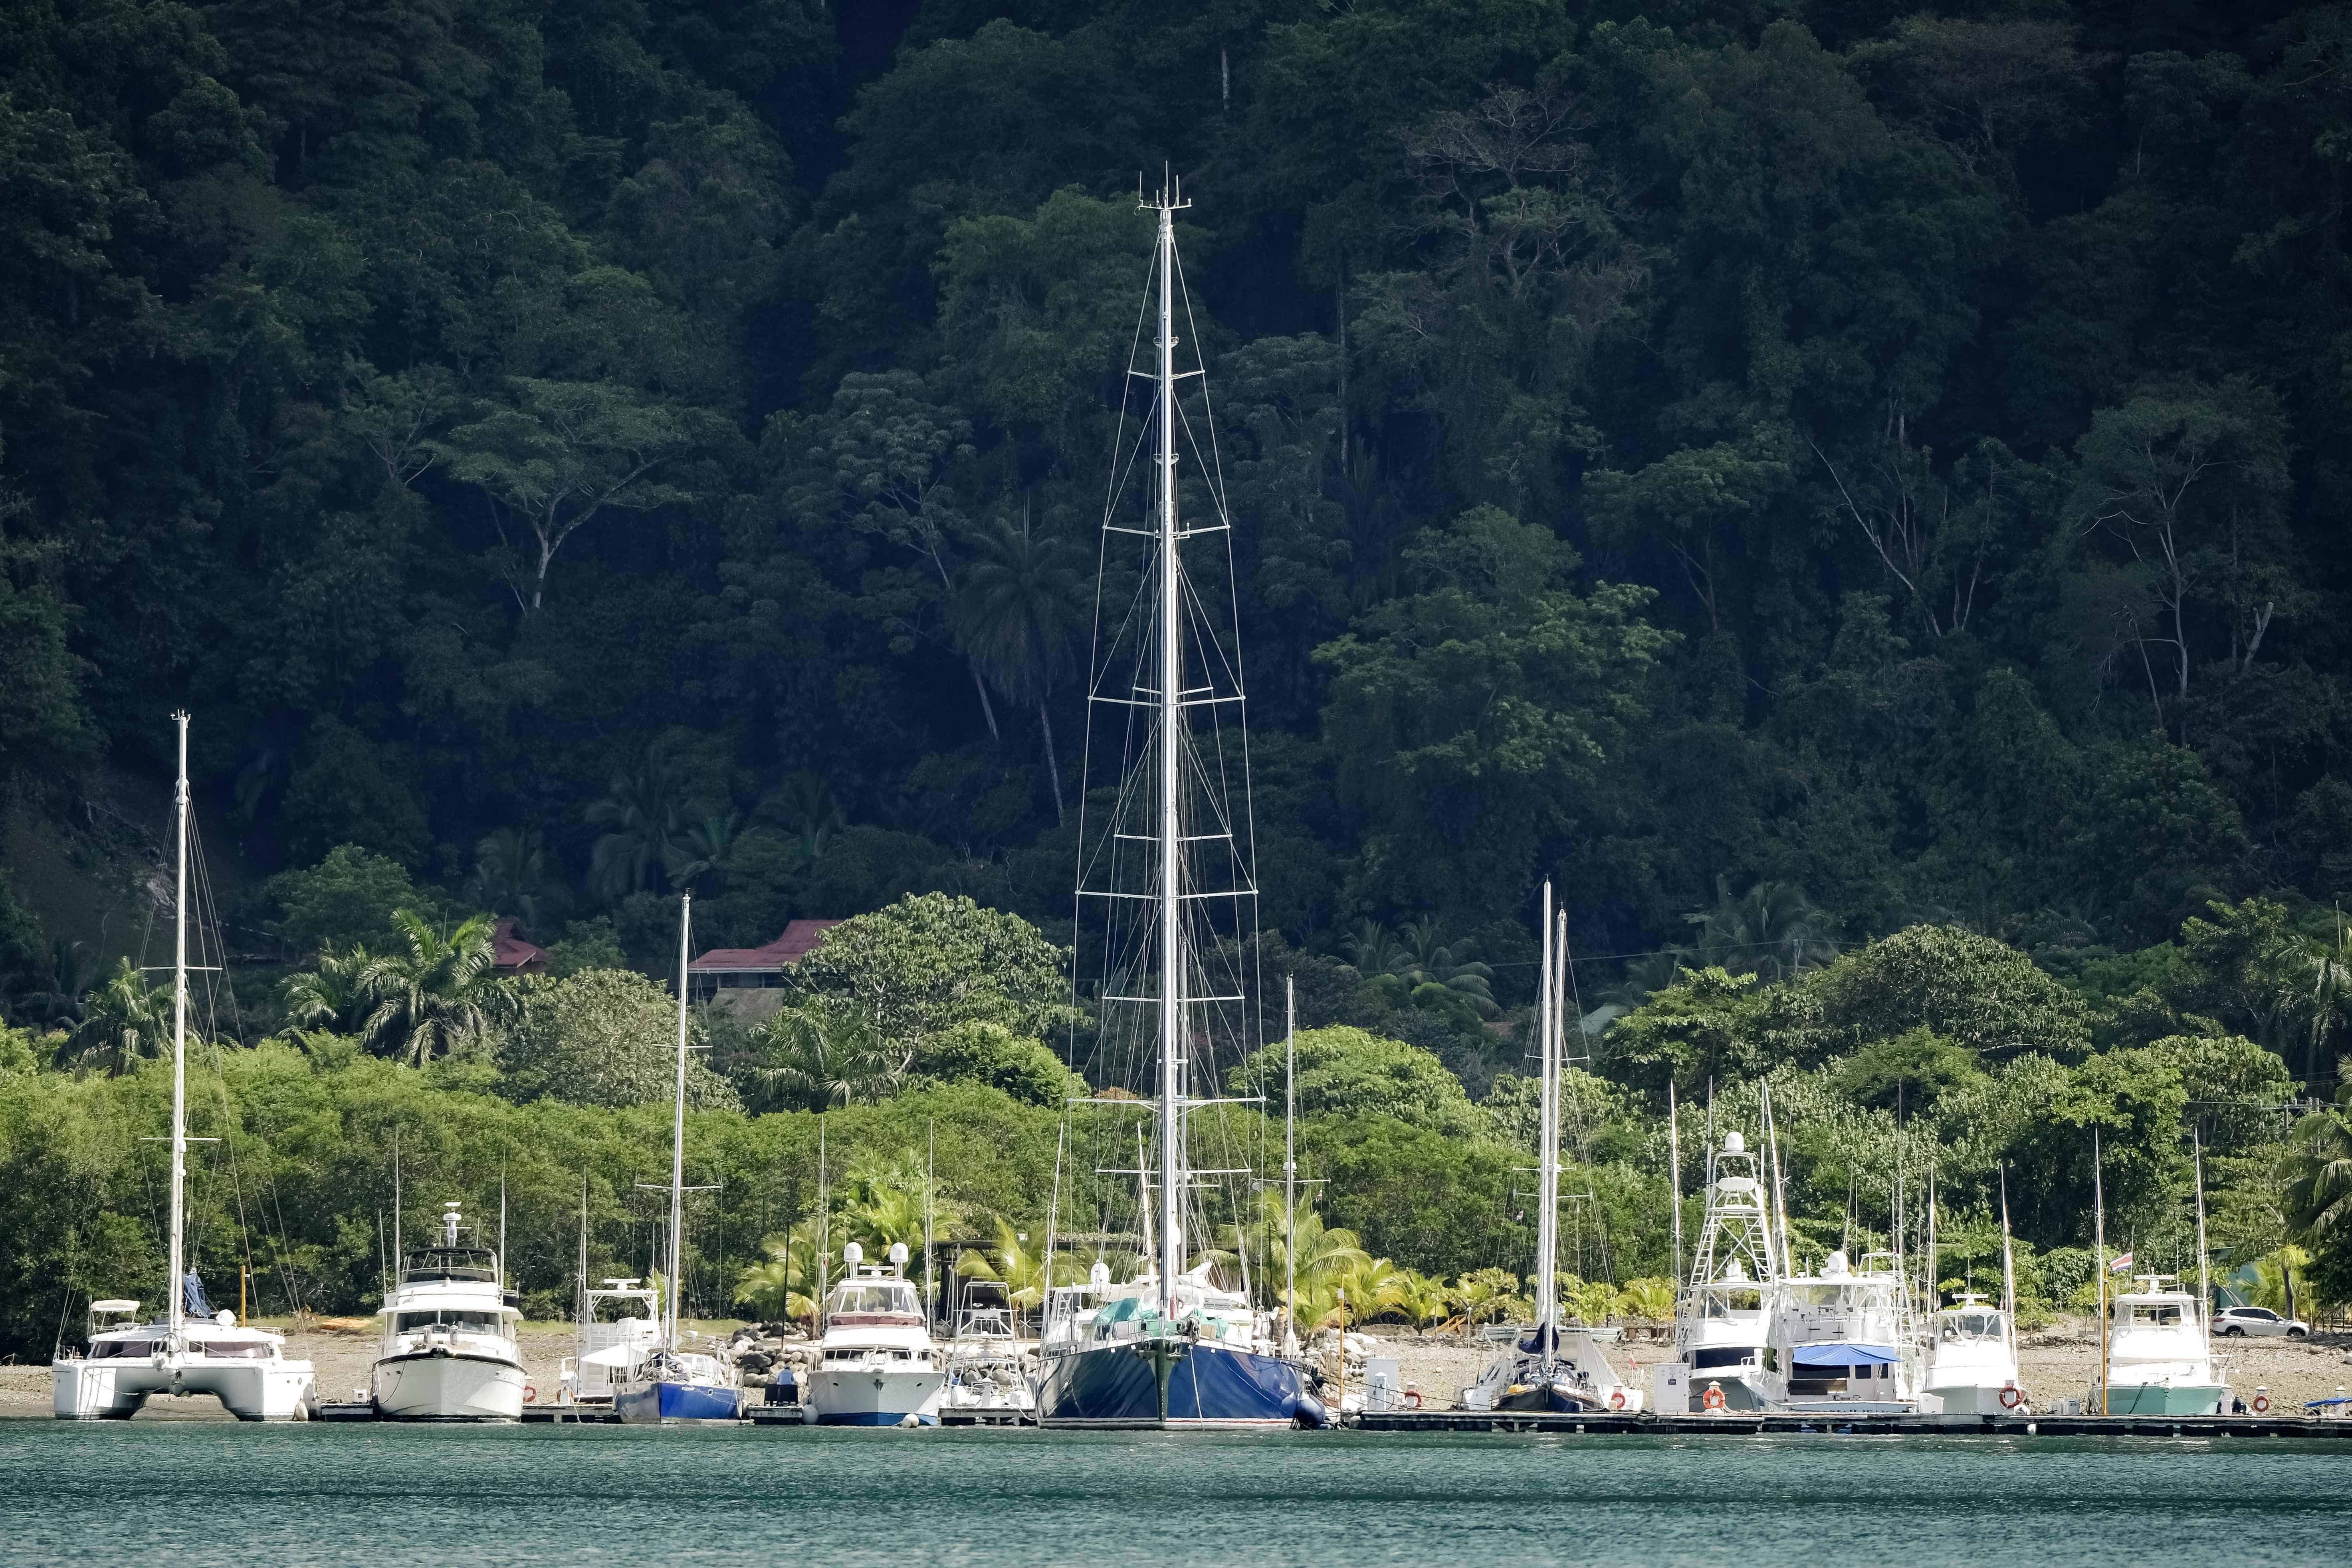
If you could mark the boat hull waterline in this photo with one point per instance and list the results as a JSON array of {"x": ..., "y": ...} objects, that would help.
[
  {"x": 1159, "y": 1384},
  {"x": 647, "y": 1404},
  {"x": 451, "y": 1386},
  {"x": 106, "y": 1389}
]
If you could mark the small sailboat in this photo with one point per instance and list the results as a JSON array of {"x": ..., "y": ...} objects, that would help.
[
  {"x": 1170, "y": 879},
  {"x": 1551, "y": 1366},
  {"x": 1723, "y": 1315},
  {"x": 875, "y": 1364},
  {"x": 449, "y": 1352},
  {"x": 989, "y": 1371},
  {"x": 190, "y": 1349},
  {"x": 670, "y": 1381}
]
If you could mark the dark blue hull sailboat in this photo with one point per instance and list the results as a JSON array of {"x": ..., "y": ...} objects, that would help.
[{"x": 1175, "y": 1382}]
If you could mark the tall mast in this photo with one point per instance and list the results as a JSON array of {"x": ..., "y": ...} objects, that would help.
[
  {"x": 1547, "y": 1147},
  {"x": 678, "y": 1130},
  {"x": 2099, "y": 1258},
  {"x": 1675, "y": 1176},
  {"x": 2204, "y": 1276},
  {"x": 1289, "y": 1166},
  {"x": 1171, "y": 823},
  {"x": 177, "y": 1292},
  {"x": 2008, "y": 1273}
]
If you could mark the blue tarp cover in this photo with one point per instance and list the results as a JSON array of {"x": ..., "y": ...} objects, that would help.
[{"x": 1844, "y": 1355}]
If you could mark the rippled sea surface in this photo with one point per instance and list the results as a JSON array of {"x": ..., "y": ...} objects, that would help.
[{"x": 334, "y": 1494}]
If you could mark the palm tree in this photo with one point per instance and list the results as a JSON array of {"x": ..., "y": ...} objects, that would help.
[
  {"x": 56, "y": 997},
  {"x": 642, "y": 817},
  {"x": 1018, "y": 605},
  {"x": 1772, "y": 930},
  {"x": 703, "y": 850},
  {"x": 1589, "y": 1301},
  {"x": 804, "y": 801},
  {"x": 1373, "y": 953},
  {"x": 822, "y": 1054},
  {"x": 2315, "y": 993},
  {"x": 1436, "y": 961},
  {"x": 1019, "y": 1266},
  {"x": 1651, "y": 1301},
  {"x": 2318, "y": 1174},
  {"x": 332, "y": 994},
  {"x": 1424, "y": 1300},
  {"x": 515, "y": 874},
  {"x": 123, "y": 1021},
  {"x": 1372, "y": 1289},
  {"x": 442, "y": 997},
  {"x": 1484, "y": 1296},
  {"x": 784, "y": 1286}
]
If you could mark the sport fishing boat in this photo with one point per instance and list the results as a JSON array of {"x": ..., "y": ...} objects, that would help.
[
  {"x": 1723, "y": 1317},
  {"x": 875, "y": 1365},
  {"x": 1972, "y": 1360},
  {"x": 670, "y": 1381},
  {"x": 1547, "y": 1366},
  {"x": 610, "y": 1350},
  {"x": 2160, "y": 1357},
  {"x": 449, "y": 1351},
  {"x": 1167, "y": 894},
  {"x": 190, "y": 1350},
  {"x": 1839, "y": 1341},
  {"x": 989, "y": 1372}
]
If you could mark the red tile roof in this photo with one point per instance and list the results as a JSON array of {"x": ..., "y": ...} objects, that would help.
[
  {"x": 513, "y": 954},
  {"x": 789, "y": 949}
]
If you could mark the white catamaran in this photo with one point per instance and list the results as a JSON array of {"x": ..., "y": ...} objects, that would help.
[
  {"x": 188, "y": 1350},
  {"x": 1167, "y": 888}
]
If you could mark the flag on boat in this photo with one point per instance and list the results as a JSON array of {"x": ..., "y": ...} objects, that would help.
[{"x": 2121, "y": 1261}]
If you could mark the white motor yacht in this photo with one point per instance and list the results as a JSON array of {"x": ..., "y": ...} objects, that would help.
[
  {"x": 989, "y": 1372},
  {"x": 1723, "y": 1317},
  {"x": 449, "y": 1352},
  {"x": 190, "y": 1350},
  {"x": 610, "y": 1350},
  {"x": 1839, "y": 1341},
  {"x": 875, "y": 1365},
  {"x": 1972, "y": 1360},
  {"x": 2159, "y": 1360}
]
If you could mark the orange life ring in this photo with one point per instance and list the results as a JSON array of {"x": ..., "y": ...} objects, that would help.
[
  {"x": 2262, "y": 1404},
  {"x": 2011, "y": 1396},
  {"x": 530, "y": 1394},
  {"x": 1413, "y": 1399},
  {"x": 1712, "y": 1399},
  {"x": 1616, "y": 1399}
]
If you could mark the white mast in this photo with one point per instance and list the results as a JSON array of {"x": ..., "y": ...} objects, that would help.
[
  {"x": 2099, "y": 1256},
  {"x": 177, "y": 1292},
  {"x": 1548, "y": 1148},
  {"x": 2008, "y": 1274},
  {"x": 1289, "y": 1166},
  {"x": 1675, "y": 1176},
  {"x": 1171, "y": 823},
  {"x": 678, "y": 1130},
  {"x": 2204, "y": 1276}
]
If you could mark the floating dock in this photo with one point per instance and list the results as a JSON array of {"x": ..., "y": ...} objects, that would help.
[{"x": 1757, "y": 1424}]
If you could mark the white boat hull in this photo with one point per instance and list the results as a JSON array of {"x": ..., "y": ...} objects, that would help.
[
  {"x": 450, "y": 1387},
  {"x": 855, "y": 1396},
  {"x": 115, "y": 1389}
]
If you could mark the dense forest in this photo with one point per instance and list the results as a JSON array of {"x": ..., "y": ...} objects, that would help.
[{"x": 1843, "y": 490}]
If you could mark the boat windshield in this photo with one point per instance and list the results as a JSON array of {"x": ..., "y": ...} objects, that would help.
[
  {"x": 1969, "y": 1325},
  {"x": 893, "y": 1298},
  {"x": 2155, "y": 1315},
  {"x": 465, "y": 1323},
  {"x": 107, "y": 1349},
  {"x": 451, "y": 1263},
  {"x": 1838, "y": 1298},
  {"x": 1719, "y": 1302}
]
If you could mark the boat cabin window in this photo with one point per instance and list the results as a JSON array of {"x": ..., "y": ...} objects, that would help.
[
  {"x": 451, "y": 1263},
  {"x": 888, "y": 1297},
  {"x": 1721, "y": 1355},
  {"x": 464, "y": 1322},
  {"x": 236, "y": 1350},
  {"x": 107, "y": 1349},
  {"x": 1973, "y": 1326},
  {"x": 2156, "y": 1314},
  {"x": 1723, "y": 1303}
]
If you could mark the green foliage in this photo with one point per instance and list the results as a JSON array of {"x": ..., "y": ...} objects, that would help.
[
  {"x": 979, "y": 1051},
  {"x": 436, "y": 995},
  {"x": 602, "y": 1037},
  {"x": 350, "y": 899},
  {"x": 925, "y": 963},
  {"x": 1345, "y": 1071}
]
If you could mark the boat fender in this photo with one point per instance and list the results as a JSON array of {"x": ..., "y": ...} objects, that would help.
[
  {"x": 530, "y": 1394},
  {"x": 1413, "y": 1399},
  {"x": 1712, "y": 1399},
  {"x": 1616, "y": 1399},
  {"x": 1308, "y": 1413},
  {"x": 2262, "y": 1404},
  {"x": 2011, "y": 1396}
]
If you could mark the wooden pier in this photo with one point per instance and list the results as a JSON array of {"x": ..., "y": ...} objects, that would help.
[{"x": 1755, "y": 1423}]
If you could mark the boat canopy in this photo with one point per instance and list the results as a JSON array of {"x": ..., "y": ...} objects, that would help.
[{"x": 1843, "y": 1355}]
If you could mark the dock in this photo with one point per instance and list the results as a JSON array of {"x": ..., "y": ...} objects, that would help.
[{"x": 1758, "y": 1423}]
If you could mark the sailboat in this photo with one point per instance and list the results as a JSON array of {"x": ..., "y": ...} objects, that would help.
[
  {"x": 1554, "y": 1367},
  {"x": 1171, "y": 880},
  {"x": 670, "y": 1383},
  {"x": 188, "y": 1350}
]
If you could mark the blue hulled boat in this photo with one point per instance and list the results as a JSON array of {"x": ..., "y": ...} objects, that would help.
[{"x": 1129, "y": 1364}]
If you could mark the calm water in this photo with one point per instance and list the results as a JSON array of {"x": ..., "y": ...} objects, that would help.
[{"x": 413, "y": 1496}]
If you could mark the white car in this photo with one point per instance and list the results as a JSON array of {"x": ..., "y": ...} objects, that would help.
[{"x": 2236, "y": 1322}]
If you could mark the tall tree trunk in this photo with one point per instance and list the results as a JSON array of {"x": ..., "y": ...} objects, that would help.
[
  {"x": 987, "y": 709},
  {"x": 1052, "y": 768}
]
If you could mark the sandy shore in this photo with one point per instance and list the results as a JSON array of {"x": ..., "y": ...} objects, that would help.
[{"x": 2058, "y": 1363}]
